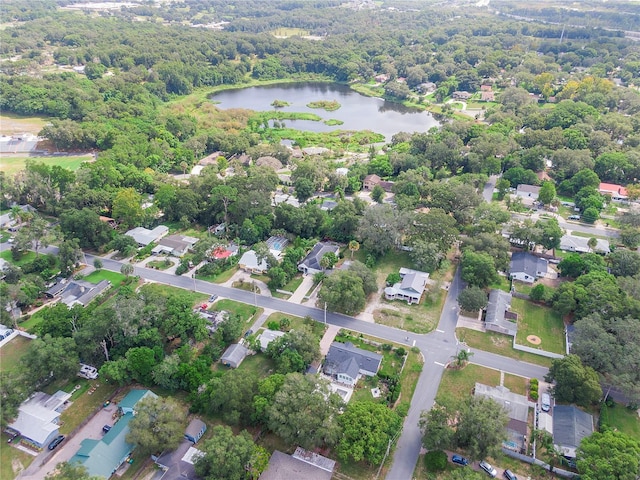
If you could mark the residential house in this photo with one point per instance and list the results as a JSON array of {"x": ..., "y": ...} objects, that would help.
[
  {"x": 370, "y": 181},
  {"x": 498, "y": 318},
  {"x": 301, "y": 465},
  {"x": 311, "y": 151},
  {"x": 487, "y": 96},
  {"x": 220, "y": 253},
  {"x": 39, "y": 418},
  {"x": 77, "y": 292},
  {"x": 211, "y": 159},
  {"x": 571, "y": 243},
  {"x": 426, "y": 88},
  {"x": 617, "y": 192},
  {"x": 195, "y": 430},
  {"x": 144, "y": 236},
  {"x": 517, "y": 408},
  {"x": 410, "y": 288},
  {"x": 103, "y": 457},
  {"x": 176, "y": 245},
  {"x": 462, "y": 95},
  {"x": 570, "y": 426},
  {"x": 347, "y": 363},
  {"x": 178, "y": 464},
  {"x": 249, "y": 263},
  {"x": 528, "y": 193},
  {"x": 234, "y": 355},
  {"x": 381, "y": 78},
  {"x": 268, "y": 336},
  {"x": 311, "y": 263},
  {"x": 109, "y": 221},
  {"x": 526, "y": 267}
]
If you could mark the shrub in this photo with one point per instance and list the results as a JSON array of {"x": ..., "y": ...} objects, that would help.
[
  {"x": 273, "y": 325},
  {"x": 534, "y": 395},
  {"x": 533, "y": 381},
  {"x": 386, "y": 347},
  {"x": 435, "y": 461},
  {"x": 403, "y": 409},
  {"x": 400, "y": 352}
]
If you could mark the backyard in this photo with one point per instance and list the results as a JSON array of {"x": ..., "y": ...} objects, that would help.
[
  {"x": 540, "y": 322},
  {"x": 97, "y": 276},
  {"x": 500, "y": 344},
  {"x": 13, "y": 164},
  {"x": 11, "y": 352},
  {"x": 25, "y": 258},
  {"x": 248, "y": 313}
]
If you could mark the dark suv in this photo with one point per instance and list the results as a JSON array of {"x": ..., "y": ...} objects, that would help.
[
  {"x": 508, "y": 474},
  {"x": 460, "y": 460},
  {"x": 55, "y": 442}
]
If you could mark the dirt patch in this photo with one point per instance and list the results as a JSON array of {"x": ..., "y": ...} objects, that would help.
[
  {"x": 552, "y": 282},
  {"x": 534, "y": 340},
  {"x": 498, "y": 341},
  {"x": 11, "y": 124},
  {"x": 16, "y": 465}
]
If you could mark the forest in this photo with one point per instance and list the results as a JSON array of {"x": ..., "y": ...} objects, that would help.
[{"x": 566, "y": 117}]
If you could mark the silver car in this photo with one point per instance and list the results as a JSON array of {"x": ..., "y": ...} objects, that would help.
[{"x": 492, "y": 472}]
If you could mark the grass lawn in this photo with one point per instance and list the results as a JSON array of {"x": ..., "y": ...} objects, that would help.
[
  {"x": 12, "y": 460},
  {"x": 160, "y": 264},
  {"x": 247, "y": 312},
  {"x": 220, "y": 277},
  {"x": 575, "y": 233},
  {"x": 522, "y": 287},
  {"x": 540, "y": 321},
  {"x": 85, "y": 403},
  {"x": 458, "y": 384},
  {"x": 258, "y": 365},
  {"x": 500, "y": 344},
  {"x": 503, "y": 283},
  {"x": 516, "y": 384},
  {"x": 11, "y": 123},
  {"x": 12, "y": 165},
  {"x": 26, "y": 258},
  {"x": 317, "y": 328},
  {"x": 166, "y": 290},
  {"x": 11, "y": 353},
  {"x": 624, "y": 419},
  {"x": 114, "y": 277}
]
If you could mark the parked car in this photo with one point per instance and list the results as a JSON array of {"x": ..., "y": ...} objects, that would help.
[
  {"x": 574, "y": 217},
  {"x": 106, "y": 428},
  {"x": 545, "y": 402},
  {"x": 508, "y": 474},
  {"x": 460, "y": 460},
  {"x": 247, "y": 333},
  {"x": 492, "y": 472},
  {"x": 213, "y": 298},
  {"x": 55, "y": 442}
]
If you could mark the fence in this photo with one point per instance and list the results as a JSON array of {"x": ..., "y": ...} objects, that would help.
[
  {"x": 535, "y": 351},
  {"x": 525, "y": 458}
]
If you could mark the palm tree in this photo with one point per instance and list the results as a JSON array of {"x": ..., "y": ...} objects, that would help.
[
  {"x": 126, "y": 269},
  {"x": 462, "y": 357},
  {"x": 354, "y": 246}
]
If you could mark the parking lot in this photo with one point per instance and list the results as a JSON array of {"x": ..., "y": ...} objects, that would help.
[{"x": 68, "y": 448}]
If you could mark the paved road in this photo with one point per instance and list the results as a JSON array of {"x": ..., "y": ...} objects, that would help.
[
  {"x": 595, "y": 230},
  {"x": 487, "y": 192},
  {"x": 437, "y": 348}
]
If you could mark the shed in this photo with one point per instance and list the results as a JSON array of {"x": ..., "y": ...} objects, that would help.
[
  {"x": 234, "y": 355},
  {"x": 195, "y": 430}
]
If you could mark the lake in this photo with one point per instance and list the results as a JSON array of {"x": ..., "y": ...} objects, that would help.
[{"x": 358, "y": 112}]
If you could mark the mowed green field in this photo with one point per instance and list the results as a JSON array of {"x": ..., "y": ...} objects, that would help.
[{"x": 12, "y": 165}]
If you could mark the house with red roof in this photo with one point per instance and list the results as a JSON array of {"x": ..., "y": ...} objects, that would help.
[{"x": 617, "y": 192}]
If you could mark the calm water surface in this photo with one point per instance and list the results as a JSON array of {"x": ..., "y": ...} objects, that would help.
[{"x": 358, "y": 112}]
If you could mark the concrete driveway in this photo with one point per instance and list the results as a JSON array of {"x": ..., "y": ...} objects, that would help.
[{"x": 68, "y": 448}]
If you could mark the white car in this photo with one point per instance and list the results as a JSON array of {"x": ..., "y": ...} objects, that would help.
[{"x": 492, "y": 472}]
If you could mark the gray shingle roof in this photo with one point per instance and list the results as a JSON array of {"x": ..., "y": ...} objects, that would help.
[
  {"x": 499, "y": 303},
  {"x": 570, "y": 426},
  {"x": 340, "y": 352},
  {"x": 527, "y": 263},
  {"x": 286, "y": 467}
]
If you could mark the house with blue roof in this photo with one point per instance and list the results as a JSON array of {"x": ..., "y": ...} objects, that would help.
[{"x": 103, "y": 457}]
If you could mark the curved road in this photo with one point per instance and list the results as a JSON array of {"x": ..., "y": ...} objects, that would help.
[{"x": 437, "y": 347}]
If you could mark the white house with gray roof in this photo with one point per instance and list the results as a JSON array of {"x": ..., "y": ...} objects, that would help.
[
  {"x": 498, "y": 318},
  {"x": 528, "y": 193},
  {"x": 249, "y": 263},
  {"x": 144, "y": 236},
  {"x": 347, "y": 363},
  {"x": 311, "y": 263},
  {"x": 571, "y": 243},
  {"x": 410, "y": 288},
  {"x": 234, "y": 355},
  {"x": 570, "y": 426},
  {"x": 526, "y": 267},
  {"x": 39, "y": 417}
]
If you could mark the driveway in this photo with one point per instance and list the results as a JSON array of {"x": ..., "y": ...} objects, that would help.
[{"x": 68, "y": 448}]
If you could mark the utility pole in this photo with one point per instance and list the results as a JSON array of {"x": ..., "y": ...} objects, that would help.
[
  {"x": 255, "y": 294},
  {"x": 325, "y": 313}
]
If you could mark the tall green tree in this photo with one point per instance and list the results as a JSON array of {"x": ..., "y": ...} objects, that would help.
[
  {"x": 157, "y": 426},
  {"x": 547, "y": 193},
  {"x": 226, "y": 456},
  {"x": 367, "y": 429},
  {"x": 343, "y": 292},
  {"x": 609, "y": 455},
  {"x": 574, "y": 382},
  {"x": 127, "y": 208},
  {"x": 478, "y": 269},
  {"x": 304, "y": 411}
]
